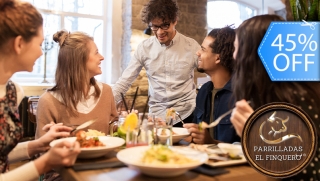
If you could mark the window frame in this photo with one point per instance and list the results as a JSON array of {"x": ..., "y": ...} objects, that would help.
[
  {"x": 256, "y": 10},
  {"x": 106, "y": 18}
]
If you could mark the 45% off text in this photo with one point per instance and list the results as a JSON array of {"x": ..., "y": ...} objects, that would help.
[{"x": 291, "y": 54}]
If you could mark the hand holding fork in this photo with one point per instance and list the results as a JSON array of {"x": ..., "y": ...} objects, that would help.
[{"x": 217, "y": 121}]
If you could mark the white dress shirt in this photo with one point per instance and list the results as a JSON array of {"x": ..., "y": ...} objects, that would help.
[{"x": 170, "y": 71}]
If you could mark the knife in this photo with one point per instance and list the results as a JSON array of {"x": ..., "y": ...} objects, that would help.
[{"x": 84, "y": 125}]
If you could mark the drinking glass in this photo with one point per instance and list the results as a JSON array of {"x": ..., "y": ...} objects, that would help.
[
  {"x": 114, "y": 127},
  {"x": 163, "y": 133},
  {"x": 143, "y": 133},
  {"x": 148, "y": 124},
  {"x": 136, "y": 137}
]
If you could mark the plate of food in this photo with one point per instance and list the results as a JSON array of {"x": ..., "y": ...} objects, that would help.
[
  {"x": 177, "y": 134},
  {"x": 223, "y": 154},
  {"x": 93, "y": 146},
  {"x": 162, "y": 161}
]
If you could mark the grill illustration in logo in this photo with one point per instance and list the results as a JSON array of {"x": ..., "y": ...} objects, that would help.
[
  {"x": 277, "y": 122},
  {"x": 279, "y": 140}
]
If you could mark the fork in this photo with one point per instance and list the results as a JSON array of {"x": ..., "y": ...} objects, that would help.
[
  {"x": 179, "y": 117},
  {"x": 216, "y": 122}
]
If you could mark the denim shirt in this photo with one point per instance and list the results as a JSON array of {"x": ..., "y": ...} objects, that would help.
[
  {"x": 170, "y": 71},
  {"x": 223, "y": 102}
]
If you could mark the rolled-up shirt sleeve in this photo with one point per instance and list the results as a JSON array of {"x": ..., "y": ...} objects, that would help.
[
  {"x": 27, "y": 172},
  {"x": 20, "y": 152}
]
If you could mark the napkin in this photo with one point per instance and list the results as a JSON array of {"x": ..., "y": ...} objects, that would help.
[
  {"x": 108, "y": 161},
  {"x": 207, "y": 170},
  {"x": 93, "y": 166}
]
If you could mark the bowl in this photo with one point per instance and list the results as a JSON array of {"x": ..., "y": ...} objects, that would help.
[
  {"x": 180, "y": 133},
  {"x": 132, "y": 157},
  {"x": 110, "y": 143},
  {"x": 234, "y": 150}
]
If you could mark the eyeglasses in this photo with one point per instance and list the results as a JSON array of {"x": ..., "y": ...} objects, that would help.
[{"x": 164, "y": 26}]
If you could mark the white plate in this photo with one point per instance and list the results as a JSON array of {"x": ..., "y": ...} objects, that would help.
[
  {"x": 132, "y": 157},
  {"x": 180, "y": 134},
  {"x": 232, "y": 149},
  {"x": 110, "y": 144},
  {"x": 213, "y": 152},
  {"x": 227, "y": 162}
]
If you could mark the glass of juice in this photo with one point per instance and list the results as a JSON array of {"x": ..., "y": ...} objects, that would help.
[{"x": 143, "y": 133}]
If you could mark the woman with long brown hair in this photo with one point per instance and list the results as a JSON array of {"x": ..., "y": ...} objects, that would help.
[
  {"x": 251, "y": 82},
  {"x": 77, "y": 97},
  {"x": 21, "y": 36}
]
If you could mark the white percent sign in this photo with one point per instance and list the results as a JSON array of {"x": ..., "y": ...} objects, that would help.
[{"x": 306, "y": 42}]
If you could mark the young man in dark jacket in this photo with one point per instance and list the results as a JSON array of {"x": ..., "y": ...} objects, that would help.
[{"x": 215, "y": 58}]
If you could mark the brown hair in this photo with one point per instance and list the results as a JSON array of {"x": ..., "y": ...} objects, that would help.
[
  {"x": 167, "y": 10},
  {"x": 18, "y": 18},
  {"x": 71, "y": 72},
  {"x": 251, "y": 81}
]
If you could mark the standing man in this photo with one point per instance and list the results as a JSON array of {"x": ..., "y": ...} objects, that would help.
[
  {"x": 215, "y": 97},
  {"x": 169, "y": 59}
]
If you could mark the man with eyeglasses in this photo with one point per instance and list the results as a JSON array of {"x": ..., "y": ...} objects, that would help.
[{"x": 169, "y": 59}]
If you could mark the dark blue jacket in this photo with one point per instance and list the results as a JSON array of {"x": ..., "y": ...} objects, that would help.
[{"x": 223, "y": 102}]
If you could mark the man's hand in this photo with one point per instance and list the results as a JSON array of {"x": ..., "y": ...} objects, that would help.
[{"x": 198, "y": 135}]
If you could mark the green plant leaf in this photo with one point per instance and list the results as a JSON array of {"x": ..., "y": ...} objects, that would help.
[
  {"x": 308, "y": 10},
  {"x": 294, "y": 10},
  {"x": 301, "y": 14},
  {"x": 313, "y": 13},
  {"x": 318, "y": 11},
  {"x": 304, "y": 8}
]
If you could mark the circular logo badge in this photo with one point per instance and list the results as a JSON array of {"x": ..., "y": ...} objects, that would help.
[{"x": 279, "y": 140}]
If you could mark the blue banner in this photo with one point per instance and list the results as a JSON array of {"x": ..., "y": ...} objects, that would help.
[{"x": 290, "y": 51}]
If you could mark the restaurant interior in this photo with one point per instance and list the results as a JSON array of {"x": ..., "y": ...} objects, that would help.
[
  {"x": 117, "y": 30},
  {"x": 126, "y": 31}
]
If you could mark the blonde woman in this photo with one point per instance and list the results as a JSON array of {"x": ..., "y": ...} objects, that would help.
[{"x": 77, "y": 97}]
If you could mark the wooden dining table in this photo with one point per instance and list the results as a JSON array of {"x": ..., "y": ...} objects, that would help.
[
  {"x": 109, "y": 168},
  {"x": 239, "y": 173}
]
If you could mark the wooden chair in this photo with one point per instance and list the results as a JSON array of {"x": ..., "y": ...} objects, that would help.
[
  {"x": 27, "y": 111},
  {"x": 32, "y": 108}
]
